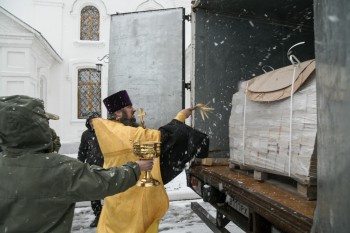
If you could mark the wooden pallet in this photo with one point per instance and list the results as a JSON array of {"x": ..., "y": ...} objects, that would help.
[
  {"x": 306, "y": 189},
  {"x": 212, "y": 161}
]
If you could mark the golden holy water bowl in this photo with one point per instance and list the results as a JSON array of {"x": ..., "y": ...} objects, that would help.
[{"x": 147, "y": 150}]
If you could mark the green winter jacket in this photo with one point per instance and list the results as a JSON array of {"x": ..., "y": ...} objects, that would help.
[{"x": 38, "y": 189}]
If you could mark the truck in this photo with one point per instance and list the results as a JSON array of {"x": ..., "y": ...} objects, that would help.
[{"x": 231, "y": 42}]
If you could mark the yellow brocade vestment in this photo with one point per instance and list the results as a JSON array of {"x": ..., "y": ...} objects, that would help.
[{"x": 139, "y": 209}]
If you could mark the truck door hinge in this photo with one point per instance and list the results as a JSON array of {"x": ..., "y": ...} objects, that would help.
[
  {"x": 188, "y": 18},
  {"x": 188, "y": 86}
]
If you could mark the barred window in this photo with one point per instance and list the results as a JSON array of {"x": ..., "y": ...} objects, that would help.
[
  {"x": 90, "y": 23},
  {"x": 89, "y": 92}
]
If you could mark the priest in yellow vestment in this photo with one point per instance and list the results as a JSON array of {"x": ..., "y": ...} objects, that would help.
[{"x": 139, "y": 209}]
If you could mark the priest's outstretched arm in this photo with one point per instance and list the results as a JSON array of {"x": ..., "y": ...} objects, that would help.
[{"x": 180, "y": 145}]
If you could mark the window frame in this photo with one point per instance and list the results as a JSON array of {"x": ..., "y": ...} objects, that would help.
[
  {"x": 90, "y": 30},
  {"x": 90, "y": 85}
]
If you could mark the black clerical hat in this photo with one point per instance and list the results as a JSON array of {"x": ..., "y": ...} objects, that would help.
[{"x": 117, "y": 101}]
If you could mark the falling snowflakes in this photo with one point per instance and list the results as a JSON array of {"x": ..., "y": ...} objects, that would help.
[{"x": 333, "y": 18}]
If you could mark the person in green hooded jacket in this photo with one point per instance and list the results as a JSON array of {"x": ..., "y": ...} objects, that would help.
[{"x": 39, "y": 188}]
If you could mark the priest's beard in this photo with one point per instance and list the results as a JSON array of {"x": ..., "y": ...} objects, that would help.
[{"x": 128, "y": 122}]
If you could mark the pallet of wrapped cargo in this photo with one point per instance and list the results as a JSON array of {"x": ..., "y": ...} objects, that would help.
[{"x": 273, "y": 124}]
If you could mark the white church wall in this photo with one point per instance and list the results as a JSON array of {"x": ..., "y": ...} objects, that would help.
[
  {"x": 47, "y": 19},
  {"x": 23, "y": 9}
]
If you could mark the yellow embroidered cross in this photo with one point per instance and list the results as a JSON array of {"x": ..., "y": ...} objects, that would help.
[{"x": 141, "y": 114}]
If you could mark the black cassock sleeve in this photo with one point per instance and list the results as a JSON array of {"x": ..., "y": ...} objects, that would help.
[{"x": 180, "y": 144}]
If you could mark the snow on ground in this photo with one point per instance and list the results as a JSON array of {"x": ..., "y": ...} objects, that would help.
[{"x": 179, "y": 217}]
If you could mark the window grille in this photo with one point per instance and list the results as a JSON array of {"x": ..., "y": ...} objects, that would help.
[
  {"x": 90, "y": 24},
  {"x": 89, "y": 92}
]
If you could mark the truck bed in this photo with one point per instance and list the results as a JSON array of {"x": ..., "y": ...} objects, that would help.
[{"x": 284, "y": 209}]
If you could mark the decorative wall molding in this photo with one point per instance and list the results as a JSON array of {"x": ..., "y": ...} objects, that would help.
[
  {"x": 75, "y": 12},
  {"x": 90, "y": 43},
  {"x": 149, "y": 5},
  {"x": 78, "y": 5},
  {"x": 72, "y": 77},
  {"x": 9, "y": 24},
  {"x": 48, "y": 3}
]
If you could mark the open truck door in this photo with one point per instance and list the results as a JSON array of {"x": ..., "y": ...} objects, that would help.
[
  {"x": 236, "y": 40},
  {"x": 146, "y": 58}
]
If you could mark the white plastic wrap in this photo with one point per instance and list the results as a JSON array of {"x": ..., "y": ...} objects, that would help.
[{"x": 266, "y": 132}]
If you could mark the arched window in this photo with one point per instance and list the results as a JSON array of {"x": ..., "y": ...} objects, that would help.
[
  {"x": 90, "y": 23},
  {"x": 89, "y": 92}
]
